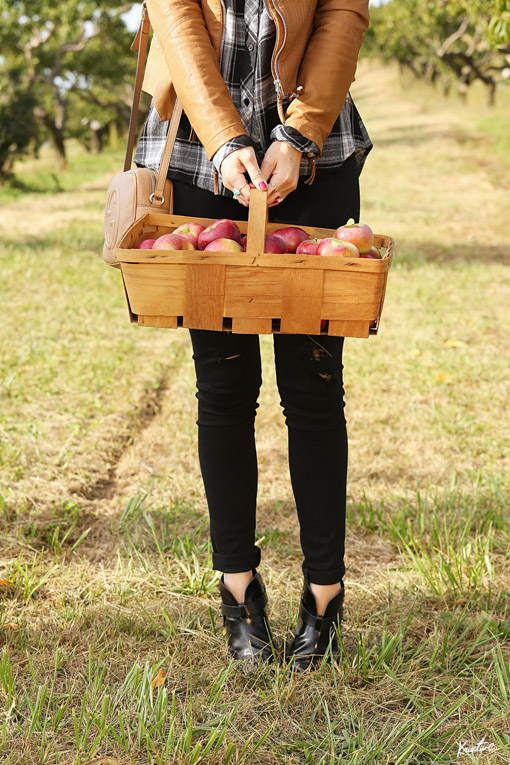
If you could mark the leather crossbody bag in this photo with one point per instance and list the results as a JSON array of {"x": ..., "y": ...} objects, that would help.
[{"x": 139, "y": 190}]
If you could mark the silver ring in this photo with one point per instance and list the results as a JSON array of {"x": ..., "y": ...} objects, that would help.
[{"x": 236, "y": 192}]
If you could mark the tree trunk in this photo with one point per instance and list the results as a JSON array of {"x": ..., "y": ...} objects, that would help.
[
  {"x": 431, "y": 72},
  {"x": 113, "y": 136},
  {"x": 446, "y": 84},
  {"x": 462, "y": 89},
  {"x": 7, "y": 168},
  {"x": 57, "y": 141},
  {"x": 60, "y": 121},
  {"x": 491, "y": 93},
  {"x": 56, "y": 134}
]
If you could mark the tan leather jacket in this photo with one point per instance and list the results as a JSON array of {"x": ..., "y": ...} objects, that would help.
[{"x": 315, "y": 56}]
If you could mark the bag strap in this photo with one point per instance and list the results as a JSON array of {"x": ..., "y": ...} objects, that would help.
[
  {"x": 140, "y": 44},
  {"x": 157, "y": 195}
]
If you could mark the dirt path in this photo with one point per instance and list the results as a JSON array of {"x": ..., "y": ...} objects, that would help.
[{"x": 432, "y": 177}]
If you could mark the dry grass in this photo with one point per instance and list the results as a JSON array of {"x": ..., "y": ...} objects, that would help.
[{"x": 104, "y": 523}]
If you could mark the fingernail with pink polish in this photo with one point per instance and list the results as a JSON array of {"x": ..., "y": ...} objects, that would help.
[{"x": 263, "y": 186}]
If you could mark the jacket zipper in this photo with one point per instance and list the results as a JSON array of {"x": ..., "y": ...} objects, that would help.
[
  {"x": 274, "y": 12},
  {"x": 277, "y": 81},
  {"x": 271, "y": 6},
  {"x": 223, "y": 12}
]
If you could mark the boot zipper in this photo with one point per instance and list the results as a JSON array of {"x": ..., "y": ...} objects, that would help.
[{"x": 274, "y": 12}]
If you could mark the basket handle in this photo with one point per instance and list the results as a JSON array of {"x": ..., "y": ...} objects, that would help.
[{"x": 257, "y": 220}]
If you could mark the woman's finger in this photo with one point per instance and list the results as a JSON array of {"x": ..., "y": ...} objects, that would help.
[
  {"x": 281, "y": 167},
  {"x": 232, "y": 173},
  {"x": 281, "y": 184},
  {"x": 234, "y": 169},
  {"x": 274, "y": 191},
  {"x": 255, "y": 173},
  {"x": 240, "y": 188},
  {"x": 274, "y": 194}
]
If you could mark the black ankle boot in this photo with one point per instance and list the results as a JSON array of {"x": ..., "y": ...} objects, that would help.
[
  {"x": 249, "y": 636},
  {"x": 313, "y": 632}
]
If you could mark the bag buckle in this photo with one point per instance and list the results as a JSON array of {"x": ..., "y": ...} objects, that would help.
[{"x": 151, "y": 199}]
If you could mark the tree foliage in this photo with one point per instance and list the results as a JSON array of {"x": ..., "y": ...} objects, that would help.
[
  {"x": 70, "y": 62},
  {"x": 455, "y": 41}
]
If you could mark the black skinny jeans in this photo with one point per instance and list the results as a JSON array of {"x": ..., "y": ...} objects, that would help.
[{"x": 309, "y": 377}]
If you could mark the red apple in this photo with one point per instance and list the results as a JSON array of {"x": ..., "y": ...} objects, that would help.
[
  {"x": 308, "y": 247},
  {"x": 275, "y": 245},
  {"x": 191, "y": 231},
  {"x": 332, "y": 246},
  {"x": 244, "y": 239},
  {"x": 292, "y": 236},
  {"x": 220, "y": 229},
  {"x": 324, "y": 323},
  {"x": 223, "y": 245},
  {"x": 172, "y": 242},
  {"x": 358, "y": 233},
  {"x": 373, "y": 252},
  {"x": 146, "y": 244}
]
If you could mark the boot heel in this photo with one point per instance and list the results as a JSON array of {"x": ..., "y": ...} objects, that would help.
[
  {"x": 315, "y": 633},
  {"x": 249, "y": 636}
]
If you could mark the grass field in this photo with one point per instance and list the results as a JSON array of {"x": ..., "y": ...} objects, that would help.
[{"x": 111, "y": 645}]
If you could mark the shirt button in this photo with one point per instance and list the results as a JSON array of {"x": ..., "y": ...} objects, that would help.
[
  {"x": 246, "y": 101},
  {"x": 251, "y": 47}
]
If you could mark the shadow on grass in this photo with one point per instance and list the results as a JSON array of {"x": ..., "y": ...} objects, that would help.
[
  {"x": 416, "y": 253},
  {"x": 410, "y": 252},
  {"x": 52, "y": 186},
  {"x": 412, "y": 135},
  {"x": 73, "y": 238}
]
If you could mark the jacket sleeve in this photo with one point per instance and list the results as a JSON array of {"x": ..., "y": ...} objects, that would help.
[
  {"x": 193, "y": 65},
  {"x": 328, "y": 67}
]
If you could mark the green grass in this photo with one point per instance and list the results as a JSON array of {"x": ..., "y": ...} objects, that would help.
[
  {"x": 45, "y": 176},
  {"x": 68, "y": 386},
  {"x": 111, "y": 641},
  {"x": 493, "y": 126}
]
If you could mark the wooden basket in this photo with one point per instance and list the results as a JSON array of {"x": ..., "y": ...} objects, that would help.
[{"x": 252, "y": 292}]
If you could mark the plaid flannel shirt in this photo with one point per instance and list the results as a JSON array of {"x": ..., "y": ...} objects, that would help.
[{"x": 248, "y": 42}]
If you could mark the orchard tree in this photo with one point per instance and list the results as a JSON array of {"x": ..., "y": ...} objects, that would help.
[
  {"x": 17, "y": 133},
  {"x": 494, "y": 20},
  {"x": 74, "y": 52},
  {"x": 456, "y": 41}
]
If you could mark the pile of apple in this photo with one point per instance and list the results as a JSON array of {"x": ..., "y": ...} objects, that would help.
[{"x": 353, "y": 240}]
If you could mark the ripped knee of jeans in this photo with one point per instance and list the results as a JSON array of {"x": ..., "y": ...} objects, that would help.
[{"x": 320, "y": 357}]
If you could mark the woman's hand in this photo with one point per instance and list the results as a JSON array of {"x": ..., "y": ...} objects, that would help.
[
  {"x": 281, "y": 167},
  {"x": 233, "y": 168}
]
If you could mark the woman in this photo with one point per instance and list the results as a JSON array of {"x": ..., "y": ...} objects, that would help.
[{"x": 264, "y": 87}]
